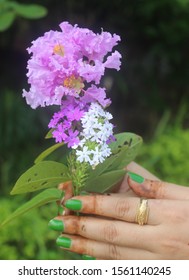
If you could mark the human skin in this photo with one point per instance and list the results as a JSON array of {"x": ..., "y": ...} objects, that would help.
[{"x": 106, "y": 226}]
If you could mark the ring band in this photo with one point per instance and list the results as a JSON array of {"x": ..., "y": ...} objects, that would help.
[{"x": 142, "y": 212}]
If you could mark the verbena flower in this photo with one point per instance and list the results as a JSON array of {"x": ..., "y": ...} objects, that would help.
[
  {"x": 65, "y": 123},
  {"x": 95, "y": 134},
  {"x": 65, "y": 62}
]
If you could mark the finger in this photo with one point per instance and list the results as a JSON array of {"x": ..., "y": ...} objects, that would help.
[
  {"x": 108, "y": 231},
  {"x": 125, "y": 188},
  {"x": 127, "y": 194},
  {"x": 115, "y": 207},
  {"x": 157, "y": 189},
  {"x": 101, "y": 250},
  {"x": 138, "y": 169},
  {"x": 68, "y": 193}
]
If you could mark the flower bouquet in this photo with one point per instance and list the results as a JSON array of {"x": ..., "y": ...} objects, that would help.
[{"x": 65, "y": 70}]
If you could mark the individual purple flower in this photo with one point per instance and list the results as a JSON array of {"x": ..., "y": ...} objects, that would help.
[
  {"x": 73, "y": 113},
  {"x": 96, "y": 94},
  {"x": 59, "y": 134},
  {"x": 72, "y": 138}
]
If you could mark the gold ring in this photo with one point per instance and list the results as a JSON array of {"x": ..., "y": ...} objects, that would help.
[{"x": 142, "y": 212}]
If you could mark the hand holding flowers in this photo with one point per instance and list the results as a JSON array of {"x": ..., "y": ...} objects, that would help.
[
  {"x": 106, "y": 227},
  {"x": 65, "y": 70}
]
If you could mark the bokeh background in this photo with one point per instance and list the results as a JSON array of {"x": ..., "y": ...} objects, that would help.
[{"x": 150, "y": 97}]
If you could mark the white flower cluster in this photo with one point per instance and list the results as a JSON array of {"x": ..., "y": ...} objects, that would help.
[{"x": 96, "y": 132}]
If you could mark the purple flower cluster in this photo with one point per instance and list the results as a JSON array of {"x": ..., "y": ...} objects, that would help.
[
  {"x": 65, "y": 69},
  {"x": 65, "y": 123},
  {"x": 62, "y": 61}
]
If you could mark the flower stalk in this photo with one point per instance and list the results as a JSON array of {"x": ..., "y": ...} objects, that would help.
[{"x": 78, "y": 173}]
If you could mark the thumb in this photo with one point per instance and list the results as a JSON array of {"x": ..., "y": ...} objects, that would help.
[{"x": 156, "y": 189}]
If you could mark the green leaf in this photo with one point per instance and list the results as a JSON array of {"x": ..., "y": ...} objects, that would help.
[
  {"x": 101, "y": 168},
  {"x": 104, "y": 182},
  {"x": 49, "y": 134},
  {"x": 124, "y": 150},
  {"x": 47, "y": 152},
  {"x": 37, "y": 201},
  {"x": 124, "y": 139},
  {"x": 30, "y": 11},
  {"x": 6, "y": 19},
  {"x": 45, "y": 174}
]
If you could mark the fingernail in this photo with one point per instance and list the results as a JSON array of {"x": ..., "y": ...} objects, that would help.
[
  {"x": 73, "y": 204},
  {"x": 56, "y": 225},
  {"x": 61, "y": 210},
  {"x": 63, "y": 242},
  {"x": 87, "y": 257},
  {"x": 135, "y": 177}
]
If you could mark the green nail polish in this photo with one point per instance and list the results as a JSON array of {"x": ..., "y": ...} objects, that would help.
[
  {"x": 56, "y": 225},
  {"x": 135, "y": 177},
  {"x": 63, "y": 242},
  {"x": 87, "y": 257},
  {"x": 73, "y": 204}
]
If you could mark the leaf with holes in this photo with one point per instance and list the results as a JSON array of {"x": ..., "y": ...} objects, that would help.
[
  {"x": 37, "y": 201},
  {"x": 124, "y": 139},
  {"x": 124, "y": 150},
  {"x": 45, "y": 174}
]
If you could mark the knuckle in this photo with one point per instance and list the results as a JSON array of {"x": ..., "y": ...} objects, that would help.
[
  {"x": 92, "y": 204},
  {"x": 113, "y": 252},
  {"x": 153, "y": 189},
  {"x": 98, "y": 202},
  {"x": 160, "y": 189},
  {"x": 82, "y": 227},
  {"x": 110, "y": 232},
  {"x": 122, "y": 208},
  {"x": 72, "y": 224}
]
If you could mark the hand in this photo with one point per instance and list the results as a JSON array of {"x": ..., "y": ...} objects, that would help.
[{"x": 114, "y": 234}]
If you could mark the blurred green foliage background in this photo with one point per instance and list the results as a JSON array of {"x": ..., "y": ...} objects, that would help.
[{"x": 150, "y": 96}]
